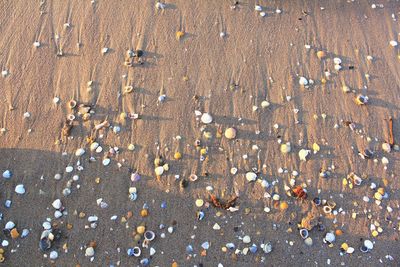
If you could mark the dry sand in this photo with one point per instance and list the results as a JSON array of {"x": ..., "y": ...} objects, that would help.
[{"x": 264, "y": 57}]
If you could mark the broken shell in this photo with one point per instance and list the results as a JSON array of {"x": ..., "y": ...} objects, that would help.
[
  {"x": 93, "y": 146},
  {"x": 368, "y": 244},
  {"x": 304, "y": 154},
  {"x": 393, "y": 43},
  {"x": 327, "y": 209},
  {"x": 206, "y": 118},
  {"x": 251, "y": 176},
  {"x": 265, "y": 104},
  {"x": 193, "y": 177},
  {"x": 72, "y": 104},
  {"x": 337, "y": 61},
  {"x": 20, "y": 189},
  {"x": 135, "y": 177},
  {"x": 70, "y": 117},
  {"x": 361, "y": 100},
  {"x": 230, "y": 133},
  {"x": 234, "y": 170},
  {"x": 106, "y": 161},
  {"x": 283, "y": 205},
  {"x": 329, "y": 237},
  {"x": 304, "y": 233},
  {"x": 308, "y": 241},
  {"x": 267, "y": 248},
  {"x": 89, "y": 252}
]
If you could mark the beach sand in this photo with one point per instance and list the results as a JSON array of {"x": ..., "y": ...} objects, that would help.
[{"x": 259, "y": 58}]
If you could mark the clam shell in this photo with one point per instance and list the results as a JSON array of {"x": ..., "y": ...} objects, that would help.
[
  {"x": 251, "y": 176},
  {"x": 329, "y": 237},
  {"x": 89, "y": 252},
  {"x": 368, "y": 244},
  {"x": 57, "y": 204},
  {"x": 106, "y": 161},
  {"x": 94, "y": 146},
  {"x": 206, "y": 118},
  {"x": 79, "y": 152},
  {"x": 337, "y": 61}
]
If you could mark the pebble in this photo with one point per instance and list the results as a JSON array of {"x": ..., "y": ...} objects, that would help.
[
  {"x": 246, "y": 239},
  {"x": 199, "y": 202},
  {"x": 206, "y": 118},
  {"x": 251, "y": 176},
  {"x": 53, "y": 255},
  {"x": 89, "y": 252},
  {"x": 205, "y": 245},
  {"x": 57, "y": 204}
]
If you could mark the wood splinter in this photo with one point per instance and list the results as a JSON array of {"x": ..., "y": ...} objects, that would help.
[{"x": 391, "y": 137}]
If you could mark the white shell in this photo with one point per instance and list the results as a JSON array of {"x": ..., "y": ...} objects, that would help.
[
  {"x": 89, "y": 252},
  {"x": 246, "y": 239},
  {"x": 53, "y": 255},
  {"x": 4, "y": 73},
  {"x": 7, "y": 174},
  {"x": 338, "y": 67},
  {"x": 303, "y": 154},
  {"x": 20, "y": 189},
  {"x": 36, "y": 44},
  {"x": 160, "y": 5},
  {"x": 9, "y": 225},
  {"x": 206, "y": 118},
  {"x": 57, "y": 204},
  {"x": 159, "y": 170},
  {"x": 79, "y": 152},
  {"x": 263, "y": 14},
  {"x": 303, "y": 81},
  {"x": 386, "y": 147},
  {"x": 99, "y": 149},
  {"x": 265, "y": 104},
  {"x": 368, "y": 244},
  {"x": 385, "y": 161},
  {"x": 350, "y": 250},
  {"x": 94, "y": 146},
  {"x": 330, "y": 237},
  {"x": 69, "y": 169},
  {"x": 337, "y": 61},
  {"x": 393, "y": 43},
  {"x": 234, "y": 170},
  {"x": 257, "y": 8},
  {"x": 57, "y": 214},
  {"x": 106, "y": 161},
  {"x": 251, "y": 176},
  {"x": 104, "y": 50}
]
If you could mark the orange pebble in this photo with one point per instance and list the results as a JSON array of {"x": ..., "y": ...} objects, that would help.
[
  {"x": 283, "y": 205},
  {"x": 338, "y": 232},
  {"x": 14, "y": 233},
  {"x": 129, "y": 214},
  {"x": 144, "y": 213},
  {"x": 174, "y": 264}
]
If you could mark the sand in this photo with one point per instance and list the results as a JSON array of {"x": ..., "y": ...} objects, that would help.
[{"x": 259, "y": 58}]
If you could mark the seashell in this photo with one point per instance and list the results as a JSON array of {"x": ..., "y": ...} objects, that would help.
[
  {"x": 308, "y": 241},
  {"x": 199, "y": 202},
  {"x": 265, "y": 104},
  {"x": 303, "y": 233},
  {"x": 286, "y": 148},
  {"x": 337, "y": 61},
  {"x": 345, "y": 89},
  {"x": 386, "y": 147},
  {"x": 36, "y": 44},
  {"x": 9, "y": 225},
  {"x": 317, "y": 201},
  {"x": 135, "y": 177},
  {"x": 251, "y": 176},
  {"x": 206, "y": 118},
  {"x": 105, "y": 161},
  {"x": 4, "y": 73},
  {"x": 283, "y": 205},
  {"x": 230, "y": 133},
  {"x": 385, "y": 161},
  {"x": 331, "y": 204},
  {"x": 53, "y": 255},
  {"x": 70, "y": 117},
  {"x": 104, "y": 50},
  {"x": 321, "y": 54},
  {"x": 72, "y": 104},
  {"x": 99, "y": 149},
  {"x": 257, "y": 8},
  {"x": 303, "y": 81},
  {"x": 368, "y": 244},
  {"x": 327, "y": 209},
  {"x": 128, "y": 89},
  {"x": 276, "y": 197},
  {"x": 159, "y": 170},
  {"x": 149, "y": 235},
  {"x": 200, "y": 215},
  {"x": 177, "y": 155},
  {"x": 20, "y": 189},
  {"x": 267, "y": 248},
  {"x": 89, "y": 252},
  {"x": 131, "y": 147},
  {"x": 94, "y": 146},
  {"x": 329, "y": 237},
  {"x": 234, "y": 170},
  {"x": 246, "y": 239},
  {"x": 316, "y": 148},
  {"x": 193, "y": 177},
  {"x": 393, "y": 43},
  {"x": 263, "y": 14},
  {"x": 338, "y": 67},
  {"x": 160, "y": 5},
  {"x": 57, "y": 204},
  {"x": 7, "y": 174},
  {"x": 304, "y": 154},
  {"x": 361, "y": 100},
  {"x": 350, "y": 250},
  {"x": 79, "y": 152},
  {"x": 253, "y": 248}
]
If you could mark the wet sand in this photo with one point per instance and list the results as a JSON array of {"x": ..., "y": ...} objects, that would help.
[{"x": 259, "y": 58}]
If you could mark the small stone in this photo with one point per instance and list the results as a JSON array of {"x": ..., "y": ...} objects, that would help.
[
  {"x": 7, "y": 174},
  {"x": 303, "y": 81},
  {"x": 386, "y": 147},
  {"x": 206, "y": 118},
  {"x": 304, "y": 154},
  {"x": 205, "y": 245},
  {"x": 251, "y": 176},
  {"x": 79, "y": 152},
  {"x": 216, "y": 226},
  {"x": 308, "y": 241},
  {"x": 14, "y": 233},
  {"x": 140, "y": 229},
  {"x": 131, "y": 147},
  {"x": 285, "y": 148}
]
